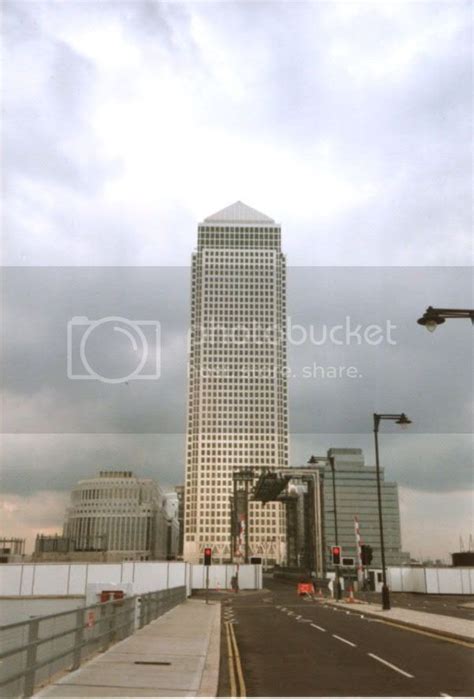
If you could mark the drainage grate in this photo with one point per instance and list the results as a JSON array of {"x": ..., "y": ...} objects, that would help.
[{"x": 150, "y": 662}]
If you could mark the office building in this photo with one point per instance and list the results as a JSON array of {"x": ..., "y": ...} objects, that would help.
[
  {"x": 356, "y": 496},
  {"x": 117, "y": 513},
  {"x": 237, "y": 406}
]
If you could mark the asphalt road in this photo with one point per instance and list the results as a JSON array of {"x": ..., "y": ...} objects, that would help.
[{"x": 290, "y": 647}]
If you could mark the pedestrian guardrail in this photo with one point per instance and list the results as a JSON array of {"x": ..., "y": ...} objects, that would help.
[{"x": 33, "y": 651}]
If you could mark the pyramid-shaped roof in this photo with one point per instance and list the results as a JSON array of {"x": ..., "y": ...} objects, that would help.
[{"x": 239, "y": 213}]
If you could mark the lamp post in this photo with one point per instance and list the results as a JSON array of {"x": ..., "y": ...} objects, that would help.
[
  {"x": 433, "y": 317},
  {"x": 400, "y": 419},
  {"x": 331, "y": 461}
]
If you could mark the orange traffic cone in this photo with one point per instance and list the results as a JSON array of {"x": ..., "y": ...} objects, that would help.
[{"x": 351, "y": 596}]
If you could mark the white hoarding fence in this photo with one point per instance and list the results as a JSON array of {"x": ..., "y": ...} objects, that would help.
[
  {"x": 64, "y": 579},
  {"x": 437, "y": 581}
]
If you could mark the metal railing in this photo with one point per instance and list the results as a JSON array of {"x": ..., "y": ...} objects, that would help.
[{"x": 32, "y": 652}]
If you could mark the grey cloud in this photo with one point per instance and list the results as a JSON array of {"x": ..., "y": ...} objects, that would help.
[{"x": 32, "y": 463}]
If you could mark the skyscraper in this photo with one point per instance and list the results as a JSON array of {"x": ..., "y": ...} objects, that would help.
[{"x": 237, "y": 409}]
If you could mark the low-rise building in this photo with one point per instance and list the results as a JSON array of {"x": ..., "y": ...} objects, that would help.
[{"x": 12, "y": 550}]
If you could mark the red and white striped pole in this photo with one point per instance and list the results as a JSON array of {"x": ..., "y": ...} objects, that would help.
[{"x": 360, "y": 568}]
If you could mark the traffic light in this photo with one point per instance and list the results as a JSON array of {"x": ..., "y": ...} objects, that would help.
[
  {"x": 366, "y": 554},
  {"x": 336, "y": 555},
  {"x": 207, "y": 556}
]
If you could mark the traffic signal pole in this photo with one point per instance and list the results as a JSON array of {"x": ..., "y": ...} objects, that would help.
[
  {"x": 333, "y": 470},
  {"x": 207, "y": 563}
]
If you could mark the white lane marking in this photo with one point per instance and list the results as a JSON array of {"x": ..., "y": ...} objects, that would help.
[
  {"x": 441, "y": 694},
  {"x": 278, "y": 606},
  {"x": 344, "y": 640},
  {"x": 394, "y": 667},
  {"x": 315, "y": 626},
  {"x": 299, "y": 616},
  {"x": 283, "y": 609},
  {"x": 304, "y": 621}
]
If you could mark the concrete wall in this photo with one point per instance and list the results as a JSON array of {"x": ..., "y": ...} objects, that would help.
[{"x": 438, "y": 581}]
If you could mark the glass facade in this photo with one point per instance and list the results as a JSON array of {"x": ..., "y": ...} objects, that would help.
[{"x": 356, "y": 496}]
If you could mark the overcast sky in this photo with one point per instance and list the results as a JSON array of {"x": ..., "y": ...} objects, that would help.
[{"x": 127, "y": 123}]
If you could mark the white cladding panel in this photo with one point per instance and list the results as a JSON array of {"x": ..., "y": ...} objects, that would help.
[
  {"x": 10, "y": 580},
  {"x": 128, "y": 570},
  {"x": 27, "y": 580},
  {"x": 250, "y": 576},
  {"x": 77, "y": 579},
  {"x": 145, "y": 576},
  {"x": 47, "y": 584},
  {"x": 151, "y": 576},
  {"x": 437, "y": 581},
  {"x": 104, "y": 571}
]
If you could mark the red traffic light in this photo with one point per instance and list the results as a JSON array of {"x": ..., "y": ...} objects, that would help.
[
  {"x": 207, "y": 552},
  {"x": 207, "y": 556},
  {"x": 336, "y": 555}
]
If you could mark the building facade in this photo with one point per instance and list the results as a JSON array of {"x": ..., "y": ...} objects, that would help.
[
  {"x": 12, "y": 550},
  {"x": 179, "y": 490},
  {"x": 237, "y": 405},
  {"x": 356, "y": 496},
  {"x": 117, "y": 513}
]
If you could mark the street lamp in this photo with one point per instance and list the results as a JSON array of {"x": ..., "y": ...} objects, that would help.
[
  {"x": 402, "y": 420},
  {"x": 433, "y": 317},
  {"x": 331, "y": 461}
]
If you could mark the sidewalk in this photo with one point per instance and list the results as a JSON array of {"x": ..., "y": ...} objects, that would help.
[
  {"x": 439, "y": 624},
  {"x": 185, "y": 645}
]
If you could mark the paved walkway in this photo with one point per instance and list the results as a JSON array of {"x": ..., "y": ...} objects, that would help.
[
  {"x": 454, "y": 627},
  {"x": 186, "y": 640}
]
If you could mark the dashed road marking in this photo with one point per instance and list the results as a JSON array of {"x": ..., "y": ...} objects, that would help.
[
  {"x": 394, "y": 667},
  {"x": 320, "y": 628},
  {"x": 304, "y": 621},
  {"x": 442, "y": 694},
  {"x": 344, "y": 640},
  {"x": 299, "y": 616}
]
